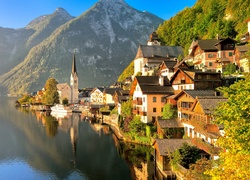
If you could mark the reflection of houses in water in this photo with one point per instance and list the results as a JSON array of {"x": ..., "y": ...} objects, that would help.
[
  {"x": 100, "y": 128},
  {"x": 142, "y": 171}
]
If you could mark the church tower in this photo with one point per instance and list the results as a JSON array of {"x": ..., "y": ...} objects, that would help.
[
  {"x": 74, "y": 82},
  {"x": 154, "y": 40}
]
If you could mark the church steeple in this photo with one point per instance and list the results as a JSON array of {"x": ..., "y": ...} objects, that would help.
[
  {"x": 74, "y": 65},
  {"x": 74, "y": 82}
]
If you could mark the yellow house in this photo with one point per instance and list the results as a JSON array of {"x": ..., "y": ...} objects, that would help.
[{"x": 149, "y": 96}]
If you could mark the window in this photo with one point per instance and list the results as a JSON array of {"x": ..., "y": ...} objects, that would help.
[
  {"x": 210, "y": 55},
  {"x": 143, "y": 99},
  {"x": 210, "y": 64},
  {"x": 161, "y": 109},
  {"x": 208, "y": 77},
  {"x": 154, "y": 99},
  {"x": 163, "y": 99},
  {"x": 199, "y": 76},
  {"x": 230, "y": 53},
  {"x": 154, "y": 109}
]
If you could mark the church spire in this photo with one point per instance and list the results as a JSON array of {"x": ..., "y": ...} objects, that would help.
[{"x": 74, "y": 65}]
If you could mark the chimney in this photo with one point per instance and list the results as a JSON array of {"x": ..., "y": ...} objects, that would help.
[
  {"x": 161, "y": 80},
  {"x": 218, "y": 37}
]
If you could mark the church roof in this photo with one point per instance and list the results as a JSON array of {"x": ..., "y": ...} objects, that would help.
[
  {"x": 62, "y": 86},
  {"x": 146, "y": 51}
]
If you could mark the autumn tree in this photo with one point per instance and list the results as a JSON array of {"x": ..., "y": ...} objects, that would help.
[
  {"x": 234, "y": 115},
  {"x": 51, "y": 95},
  {"x": 168, "y": 111},
  {"x": 196, "y": 171}
]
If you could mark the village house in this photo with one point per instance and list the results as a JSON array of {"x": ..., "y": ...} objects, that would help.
[
  {"x": 163, "y": 150},
  {"x": 149, "y": 96},
  {"x": 168, "y": 67},
  {"x": 246, "y": 37},
  {"x": 108, "y": 96},
  {"x": 119, "y": 97},
  {"x": 195, "y": 111},
  {"x": 241, "y": 60},
  {"x": 190, "y": 79},
  {"x": 213, "y": 54},
  {"x": 150, "y": 56},
  {"x": 96, "y": 95}
]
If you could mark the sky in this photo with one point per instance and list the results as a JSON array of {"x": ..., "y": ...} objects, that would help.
[{"x": 18, "y": 13}]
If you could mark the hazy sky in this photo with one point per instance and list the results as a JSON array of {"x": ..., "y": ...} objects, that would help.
[{"x": 18, "y": 13}]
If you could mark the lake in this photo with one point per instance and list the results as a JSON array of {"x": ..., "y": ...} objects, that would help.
[{"x": 36, "y": 145}]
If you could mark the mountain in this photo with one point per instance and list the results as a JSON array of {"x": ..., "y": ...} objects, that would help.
[
  {"x": 104, "y": 40},
  {"x": 16, "y": 43}
]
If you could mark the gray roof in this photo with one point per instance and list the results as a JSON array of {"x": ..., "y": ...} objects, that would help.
[
  {"x": 169, "y": 145},
  {"x": 169, "y": 123},
  {"x": 208, "y": 44},
  {"x": 209, "y": 104},
  {"x": 150, "y": 80},
  {"x": 157, "y": 89},
  {"x": 195, "y": 93},
  {"x": 161, "y": 51},
  {"x": 243, "y": 48},
  {"x": 111, "y": 90}
]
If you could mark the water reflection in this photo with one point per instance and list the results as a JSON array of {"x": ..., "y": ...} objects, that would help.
[{"x": 68, "y": 147}]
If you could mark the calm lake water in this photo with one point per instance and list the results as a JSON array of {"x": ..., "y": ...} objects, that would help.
[{"x": 35, "y": 145}]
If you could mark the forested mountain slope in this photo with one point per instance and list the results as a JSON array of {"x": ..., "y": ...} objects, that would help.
[{"x": 205, "y": 20}]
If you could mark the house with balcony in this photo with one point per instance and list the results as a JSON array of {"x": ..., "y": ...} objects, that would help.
[
  {"x": 192, "y": 79},
  {"x": 149, "y": 96},
  {"x": 213, "y": 54},
  {"x": 195, "y": 111},
  {"x": 150, "y": 56}
]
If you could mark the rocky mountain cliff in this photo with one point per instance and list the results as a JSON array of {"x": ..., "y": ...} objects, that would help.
[{"x": 104, "y": 39}]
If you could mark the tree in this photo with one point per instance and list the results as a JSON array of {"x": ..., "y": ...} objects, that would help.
[
  {"x": 126, "y": 108},
  {"x": 65, "y": 101},
  {"x": 196, "y": 171},
  {"x": 50, "y": 95},
  {"x": 230, "y": 68},
  {"x": 168, "y": 112},
  {"x": 185, "y": 156},
  {"x": 234, "y": 115}
]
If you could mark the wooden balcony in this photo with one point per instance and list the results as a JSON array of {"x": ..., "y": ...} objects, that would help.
[
  {"x": 137, "y": 102},
  {"x": 135, "y": 111},
  {"x": 143, "y": 113}
]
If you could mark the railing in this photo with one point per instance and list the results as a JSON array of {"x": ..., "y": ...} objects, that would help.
[
  {"x": 137, "y": 102},
  {"x": 135, "y": 111},
  {"x": 143, "y": 113}
]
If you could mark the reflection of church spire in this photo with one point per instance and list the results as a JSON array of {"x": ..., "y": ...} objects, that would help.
[{"x": 74, "y": 136}]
